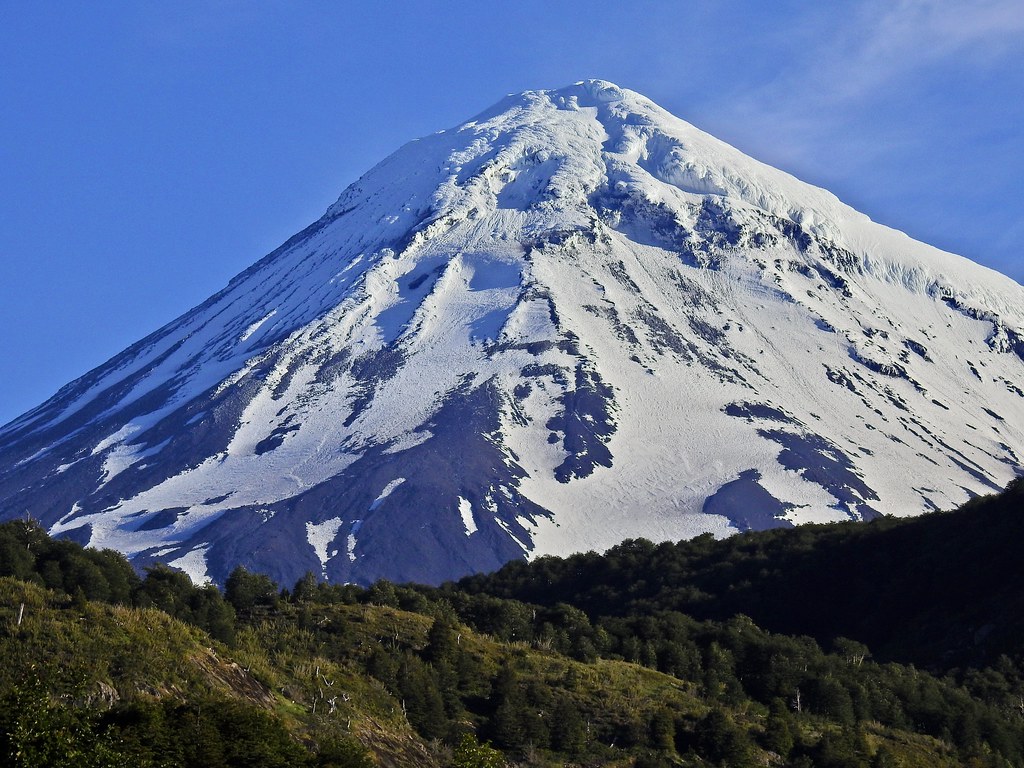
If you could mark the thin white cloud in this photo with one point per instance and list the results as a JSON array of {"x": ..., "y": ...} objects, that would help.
[
  {"x": 941, "y": 27},
  {"x": 890, "y": 40},
  {"x": 846, "y": 60}
]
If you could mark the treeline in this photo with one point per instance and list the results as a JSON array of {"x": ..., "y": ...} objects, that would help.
[
  {"x": 28, "y": 553},
  {"x": 546, "y": 661},
  {"x": 941, "y": 590}
]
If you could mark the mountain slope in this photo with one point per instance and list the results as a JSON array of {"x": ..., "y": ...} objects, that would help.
[{"x": 569, "y": 321}]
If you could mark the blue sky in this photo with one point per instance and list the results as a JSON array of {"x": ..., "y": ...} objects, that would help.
[{"x": 150, "y": 151}]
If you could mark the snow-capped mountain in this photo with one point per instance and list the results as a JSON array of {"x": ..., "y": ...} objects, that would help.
[{"x": 571, "y": 320}]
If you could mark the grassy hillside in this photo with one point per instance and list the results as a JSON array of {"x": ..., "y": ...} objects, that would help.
[
  {"x": 593, "y": 664},
  {"x": 314, "y": 683}
]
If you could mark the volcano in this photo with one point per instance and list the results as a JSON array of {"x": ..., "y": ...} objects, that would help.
[{"x": 572, "y": 320}]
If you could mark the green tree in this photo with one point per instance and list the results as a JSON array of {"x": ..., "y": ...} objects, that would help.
[
  {"x": 339, "y": 752},
  {"x": 472, "y": 754},
  {"x": 663, "y": 731},
  {"x": 17, "y": 558},
  {"x": 383, "y": 592},
  {"x": 245, "y": 590},
  {"x": 827, "y": 696},
  {"x": 383, "y": 666},
  {"x": 214, "y": 614},
  {"x": 779, "y": 729},
  {"x": 421, "y": 697},
  {"x": 122, "y": 581},
  {"x": 842, "y": 749},
  {"x": 507, "y": 726},
  {"x": 568, "y": 730},
  {"x": 166, "y": 589},
  {"x": 146, "y": 731},
  {"x": 720, "y": 740},
  {"x": 36, "y": 731},
  {"x": 441, "y": 641},
  {"x": 306, "y": 589}
]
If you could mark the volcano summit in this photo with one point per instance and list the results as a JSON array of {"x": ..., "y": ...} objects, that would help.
[{"x": 571, "y": 320}]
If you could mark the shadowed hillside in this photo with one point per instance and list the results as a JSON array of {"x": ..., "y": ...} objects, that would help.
[{"x": 941, "y": 590}]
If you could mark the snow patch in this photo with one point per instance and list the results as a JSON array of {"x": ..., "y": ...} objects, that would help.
[
  {"x": 76, "y": 509},
  {"x": 320, "y": 536},
  {"x": 121, "y": 435},
  {"x": 388, "y": 489},
  {"x": 194, "y": 564},
  {"x": 256, "y": 326},
  {"x": 350, "y": 543},
  {"x": 123, "y": 456},
  {"x": 466, "y": 511}
]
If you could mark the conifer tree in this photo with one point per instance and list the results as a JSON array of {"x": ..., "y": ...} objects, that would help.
[
  {"x": 507, "y": 726},
  {"x": 663, "y": 731},
  {"x": 568, "y": 732},
  {"x": 441, "y": 641},
  {"x": 779, "y": 729}
]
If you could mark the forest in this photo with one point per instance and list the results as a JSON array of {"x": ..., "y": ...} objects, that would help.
[{"x": 890, "y": 643}]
